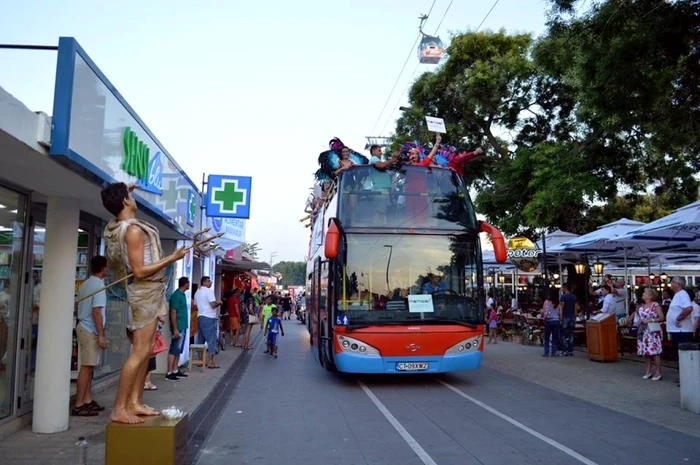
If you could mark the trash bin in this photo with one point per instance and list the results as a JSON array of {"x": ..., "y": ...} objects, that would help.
[{"x": 689, "y": 367}]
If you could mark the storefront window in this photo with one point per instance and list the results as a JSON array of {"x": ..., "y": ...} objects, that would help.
[{"x": 12, "y": 217}]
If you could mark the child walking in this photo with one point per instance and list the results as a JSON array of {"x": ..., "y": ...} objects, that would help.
[{"x": 272, "y": 329}]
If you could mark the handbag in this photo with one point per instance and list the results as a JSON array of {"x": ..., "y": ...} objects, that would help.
[
  {"x": 654, "y": 327},
  {"x": 159, "y": 345},
  {"x": 253, "y": 319}
]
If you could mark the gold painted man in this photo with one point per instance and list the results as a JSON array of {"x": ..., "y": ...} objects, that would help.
[{"x": 133, "y": 246}]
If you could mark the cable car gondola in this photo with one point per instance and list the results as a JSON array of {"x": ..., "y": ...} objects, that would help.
[{"x": 430, "y": 49}]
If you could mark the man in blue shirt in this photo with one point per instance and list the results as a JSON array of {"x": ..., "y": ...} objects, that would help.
[
  {"x": 568, "y": 311},
  {"x": 435, "y": 286},
  {"x": 91, "y": 336}
]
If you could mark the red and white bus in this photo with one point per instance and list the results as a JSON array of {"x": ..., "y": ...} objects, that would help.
[{"x": 394, "y": 278}]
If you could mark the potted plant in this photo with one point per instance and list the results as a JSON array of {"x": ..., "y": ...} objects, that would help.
[{"x": 517, "y": 336}]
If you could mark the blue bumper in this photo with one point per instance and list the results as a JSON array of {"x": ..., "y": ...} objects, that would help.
[{"x": 355, "y": 363}]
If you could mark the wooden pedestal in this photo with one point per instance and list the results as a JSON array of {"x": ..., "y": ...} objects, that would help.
[
  {"x": 601, "y": 339},
  {"x": 156, "y": 442}
]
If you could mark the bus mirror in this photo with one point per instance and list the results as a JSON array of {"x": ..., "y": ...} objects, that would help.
[
  {"x": 332, "y": 241},
  {"x": 499, "y": 243}
]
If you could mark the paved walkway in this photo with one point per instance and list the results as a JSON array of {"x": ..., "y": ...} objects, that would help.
[
  {"x": 28, "y": 448},
  {"x": 617, "y": 385}
]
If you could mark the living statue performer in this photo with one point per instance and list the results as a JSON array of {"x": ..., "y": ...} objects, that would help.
[{"x": 133, "y": 246}]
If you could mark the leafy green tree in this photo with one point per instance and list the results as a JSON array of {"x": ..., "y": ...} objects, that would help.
[
  {"x": 581, "y": 125},
  {"x": 293, "y": 273}
]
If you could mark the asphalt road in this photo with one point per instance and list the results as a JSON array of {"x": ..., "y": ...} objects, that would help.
[{"x": 291, "y": 411}]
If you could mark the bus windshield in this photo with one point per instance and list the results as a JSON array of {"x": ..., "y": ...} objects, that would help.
[
  {"x": 412, "y": 197},
  {"x": 402, "y": 278}
]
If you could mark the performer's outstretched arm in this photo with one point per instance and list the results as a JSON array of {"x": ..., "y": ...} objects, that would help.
[{"x": 134, "y": 245}]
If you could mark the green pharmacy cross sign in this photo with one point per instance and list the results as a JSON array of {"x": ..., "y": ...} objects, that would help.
[{"x": 228, "y": 196}]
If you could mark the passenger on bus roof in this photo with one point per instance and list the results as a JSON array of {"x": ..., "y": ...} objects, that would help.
[
  {"x": 345, "y": 161},
  {"x": 463, "y": 157}
]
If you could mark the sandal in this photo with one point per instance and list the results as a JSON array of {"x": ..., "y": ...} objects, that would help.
[
  {"x": 94, "y": 406},
  {"x": 150, "y": 387},
  {"x": 83, "y": 411}
]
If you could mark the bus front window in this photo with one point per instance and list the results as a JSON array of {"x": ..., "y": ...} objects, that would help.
[{"x": 396, "y": 279}]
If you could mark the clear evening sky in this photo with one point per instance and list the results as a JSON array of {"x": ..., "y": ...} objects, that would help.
[{"x": 249, "y": 88}]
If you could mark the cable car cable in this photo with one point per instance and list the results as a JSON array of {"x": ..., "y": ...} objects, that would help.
[
  {"x": 413, "y": 47},
  {"x": 416, "y": 68}
]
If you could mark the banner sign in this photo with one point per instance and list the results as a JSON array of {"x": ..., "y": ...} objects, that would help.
[
  {"x": 233, "y": 229},
  {"x": 97, "y": 134}
]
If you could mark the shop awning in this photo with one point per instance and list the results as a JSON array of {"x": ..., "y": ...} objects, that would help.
[{"x": 243, "y": 265}]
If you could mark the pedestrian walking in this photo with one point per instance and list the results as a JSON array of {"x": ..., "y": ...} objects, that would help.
[
  {"x": 91, "y": 336},
  {"x": 550, "y": 314},
  {"x": 272, "y": 330},
  {"x": 234, "y": 312},
  {"x": 493, "y": 324},
  {"x": 649, "y": 335},
  {"x": 207, "y": 318},
  {"x": 568, "y": 312},
  {"x": 179, "y": 319},
  {"x": 266, "y": 312}
]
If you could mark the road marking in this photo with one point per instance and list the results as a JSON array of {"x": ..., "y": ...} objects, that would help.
[
  {"x": 516, "y": 423},
  {"x": 413, "y": 444}
]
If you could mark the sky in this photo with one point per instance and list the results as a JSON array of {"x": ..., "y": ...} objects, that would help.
[{"x": 249, "y": 88}]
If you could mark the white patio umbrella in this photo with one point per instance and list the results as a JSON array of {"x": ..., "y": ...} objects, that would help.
[
  {"x": 677, "y": 233},
  {"x": 603, "y": 241}
]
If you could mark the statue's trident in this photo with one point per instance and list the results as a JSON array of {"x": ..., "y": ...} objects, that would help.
[{"x": 198, "y": 244}]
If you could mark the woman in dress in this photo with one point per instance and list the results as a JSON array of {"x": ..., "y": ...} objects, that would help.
[
  {"x": 649, "y": 336},
  {"x": 493, "y": 325}
]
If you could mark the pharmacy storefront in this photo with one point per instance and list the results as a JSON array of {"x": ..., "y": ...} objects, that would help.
[{"x": 55, "y": 224}]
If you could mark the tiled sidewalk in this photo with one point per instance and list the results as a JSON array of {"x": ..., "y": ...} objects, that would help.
[{"x": 28, "y": 448}]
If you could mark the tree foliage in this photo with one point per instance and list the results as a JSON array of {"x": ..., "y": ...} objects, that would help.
[
  {"x": 293, "y": 273},
  {"x": 596, "y": 120}
]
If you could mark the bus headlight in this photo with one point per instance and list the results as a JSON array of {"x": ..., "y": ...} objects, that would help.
[
  {"x": 467, "y": 345},
  {"x": 348, "y": 344}
]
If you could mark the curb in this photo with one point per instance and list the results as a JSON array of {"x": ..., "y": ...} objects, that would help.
[{"x": 206, "y": 415}]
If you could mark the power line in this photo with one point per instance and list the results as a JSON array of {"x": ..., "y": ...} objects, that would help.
[
  {"x": 410, "y": 53},
  {"x": 435, "y": 33}
]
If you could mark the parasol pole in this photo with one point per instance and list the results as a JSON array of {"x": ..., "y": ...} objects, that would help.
[{"x": 196, "y": 244}]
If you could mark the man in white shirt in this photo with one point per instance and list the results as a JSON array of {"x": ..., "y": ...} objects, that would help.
[
  {"x": 620, "y": 296},
  {"x": 678, "y": 319},
  {"x": 207, "y": 318},
  {"x": 513, "y": 303}
]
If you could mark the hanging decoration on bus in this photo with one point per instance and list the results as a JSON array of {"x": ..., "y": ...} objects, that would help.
[{"x": 431, "y": 48}]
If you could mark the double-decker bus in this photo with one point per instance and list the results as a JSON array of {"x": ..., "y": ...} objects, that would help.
[{"x": 394, "y": 277}]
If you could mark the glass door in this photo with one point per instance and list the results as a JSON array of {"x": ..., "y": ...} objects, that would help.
[
  {"x": 12, "y": 224},
  {"x": 32, "y": 307}
]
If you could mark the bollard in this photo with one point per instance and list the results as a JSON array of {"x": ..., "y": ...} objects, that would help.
[{"x": 689, "y": 367}]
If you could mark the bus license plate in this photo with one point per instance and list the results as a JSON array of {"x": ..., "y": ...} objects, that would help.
[{"x": 412, "y": 366}]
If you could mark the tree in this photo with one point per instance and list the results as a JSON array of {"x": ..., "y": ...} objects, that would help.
[
  {"x": 293, "y": 273},
  {"x": 581, "y": 124},
  {"x": 251, "y": 250}
]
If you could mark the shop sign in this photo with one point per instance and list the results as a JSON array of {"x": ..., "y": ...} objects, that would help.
[
  {"x": 138, "y": 163},
  {"x": 524, "y": 254},
  {"x": 228, "y": 196},
  {"x": 233, "y": 229},
  {"x": 97, "y": 134}
]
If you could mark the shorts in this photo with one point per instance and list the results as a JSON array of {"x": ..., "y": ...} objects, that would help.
[
  {"x": 177, "y": 346},
  {"x": 152, "y": 364},
  {"x": 207, "y": 333},
  {"x": 234, "y": 324},
  {"x": 272, "y": 339},
  {"x": 89, "y": 347}
]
